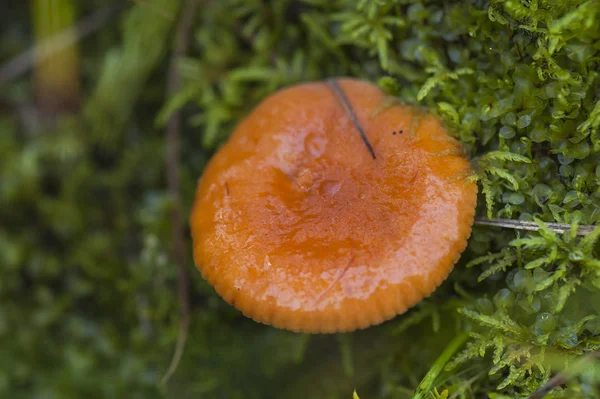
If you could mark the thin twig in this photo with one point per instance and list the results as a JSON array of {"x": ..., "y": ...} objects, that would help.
[
  {"x": 562, "y": 377},
  {"x": 25, "y": 61},
  {"x": 184, "y": 27},
  {"x": 532, "y": 226},
  {"x": 339, "y": 93}
]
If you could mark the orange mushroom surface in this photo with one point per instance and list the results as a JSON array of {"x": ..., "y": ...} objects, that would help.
[{"x": 328, "y": 210}]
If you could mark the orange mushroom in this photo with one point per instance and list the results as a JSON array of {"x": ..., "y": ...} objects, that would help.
[{"x": 326, "y": 211}]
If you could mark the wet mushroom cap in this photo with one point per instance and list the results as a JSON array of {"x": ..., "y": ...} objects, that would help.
[{"x": 311, "y": 220}]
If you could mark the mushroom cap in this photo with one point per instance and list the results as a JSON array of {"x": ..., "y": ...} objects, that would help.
[{"x": 298, "y": 225}]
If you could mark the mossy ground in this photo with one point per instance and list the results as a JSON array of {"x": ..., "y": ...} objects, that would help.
[{"x": 88, "y": 302}]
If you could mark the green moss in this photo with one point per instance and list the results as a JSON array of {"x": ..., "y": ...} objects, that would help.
[{"x": 87, "y": 289}]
